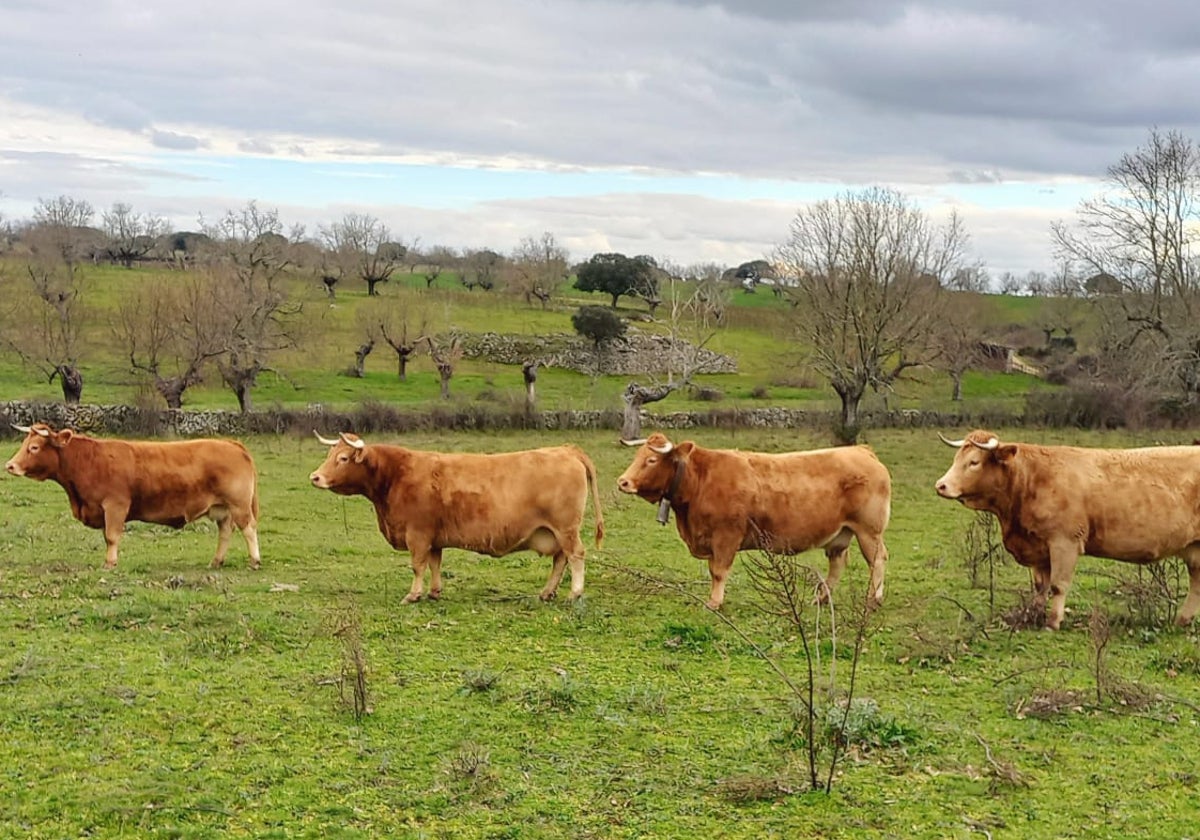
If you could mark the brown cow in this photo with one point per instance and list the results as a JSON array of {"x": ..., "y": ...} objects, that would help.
[
  {"x": 1057, "y": 502},
  {"x": 490, "y": 504},
  {"x": 726, "y": 501},
  {"x": 111, "y": 482}
]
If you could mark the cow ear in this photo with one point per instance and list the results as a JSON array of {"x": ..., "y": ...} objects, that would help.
[
  {"x": 685, "y": 449},
  {"x": 360, "y": 452},
  {"x": 62, "y": 438},
  {"x": 1005, "y": 452}
]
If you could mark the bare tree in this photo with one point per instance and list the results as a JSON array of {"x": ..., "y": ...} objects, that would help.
[
  {"x": 435, "y": 261},
  {"x": 446, "y": 353},
  {"x": 363, "y": 246},
  {"x": 1143, "y": 231},
  {"x": 404, "y": 327},
  {"x": 130, "y": 236},
  {"x": 958, "y": 338},
  {"x": 481, "y": 269},
  {"x": 46, "y": 323},
  {"x": 367, "y": 324},
  {"x": 1065, "y": 306},
  {"x": 170, "y": 331},
  {"x": 690, "y": 328},
  {"x": 537, "y": 268},
  {"x": 61, "y": 228},
  {"x": 1010, "y": 284},
  {"x": 259, "y": 317},
  {"x": 866, "y": 271}
]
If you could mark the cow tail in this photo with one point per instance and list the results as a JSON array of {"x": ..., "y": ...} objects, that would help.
[{"x": 591, "y": 478}]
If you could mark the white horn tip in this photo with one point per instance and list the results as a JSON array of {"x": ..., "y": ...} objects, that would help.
[{"x": 637, "y": 442}]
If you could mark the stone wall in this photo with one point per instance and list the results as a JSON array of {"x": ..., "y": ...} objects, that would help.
[
  {"x": 638, "y": 353},
  {"x": 135, "y": 422}
]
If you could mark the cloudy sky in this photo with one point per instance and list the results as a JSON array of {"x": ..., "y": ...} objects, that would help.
[{"x": 683, "y": 129}]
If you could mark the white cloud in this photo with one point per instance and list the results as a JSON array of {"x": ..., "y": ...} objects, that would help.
[{"x": 155, "y": 104}]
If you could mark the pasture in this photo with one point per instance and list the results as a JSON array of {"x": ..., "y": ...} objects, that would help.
[{"x": 167, "y": 699}]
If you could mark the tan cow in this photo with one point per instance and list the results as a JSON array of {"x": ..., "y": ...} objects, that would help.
[
  {"x": 726, "y": 501},
  {"x": 111, "y": 482},
  {"x": 1057, "y": 502},
  {"x": 491, "y": 504}
]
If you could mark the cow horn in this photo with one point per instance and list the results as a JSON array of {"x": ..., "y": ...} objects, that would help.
[
  {"x": 637, "y": 442},
  {"x": 955, "y": 443},
  {"x": 357, "y": 444},
  {"x": 664, "y": 449},
  {"x": 24, "y": 429},
  {"x": 989, "y": 444},
  {"x": 326, "y": 441}
]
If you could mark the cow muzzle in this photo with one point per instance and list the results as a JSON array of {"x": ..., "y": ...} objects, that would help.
[
  {"x": 319, "y": 481},
  {"x": 12, "y": 468}
]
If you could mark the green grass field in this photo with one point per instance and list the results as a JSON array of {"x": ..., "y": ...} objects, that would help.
[{"x": 163, "y": 699}]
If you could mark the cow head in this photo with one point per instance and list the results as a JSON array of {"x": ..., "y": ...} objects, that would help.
[
  {"x": 655, "y": 467},
  {"x": 38, "y": 457},
  {"x": 979, "y": 472},
  {"x": 344, "y": 470}
]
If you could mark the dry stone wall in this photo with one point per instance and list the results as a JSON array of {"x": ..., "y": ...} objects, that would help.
[
  {"x": 130, "y": 421},
  {"x": 638, "y": 353}
]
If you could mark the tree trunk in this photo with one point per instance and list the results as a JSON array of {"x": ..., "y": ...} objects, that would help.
[
  {"x": 529, "y": 371},
  {"x": 956, "y": 377},
  {"x": 242, "y": 391},
  {"x": 360, "y": 356},
  {"x": 636, "y": 396},
  {"x": 402, "y": 364},
  {"x": 614, "y": 303},
  {"x": 171, "y": 390},
  {"x": 848, "y": 431},
  {"x": 241, "y": 381},
  {"x": 371, "y": 284},
  {"x": 445, "y": 371},
  {"x": 71, "y": 380}
]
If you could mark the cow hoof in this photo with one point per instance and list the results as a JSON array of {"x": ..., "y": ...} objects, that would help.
[
  {"x": 411, "y": 598},
  {"x": 109, "y": 566},
  {"x": 216, "y": 564},
  {"x": 713, "y": 605},
  {"x": 547, "y": 596},
  {"x": 435, "y": 594},
  {"x": 1184, "y": 621}
]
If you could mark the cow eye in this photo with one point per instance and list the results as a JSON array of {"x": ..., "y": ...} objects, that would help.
[
  {"x": 651, "y": 461},
  {"x": 343, "y": 459},
  {"x": 33, "y": 448}
]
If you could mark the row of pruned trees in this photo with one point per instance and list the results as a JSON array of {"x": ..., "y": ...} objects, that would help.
[{"x": 232, "y": 314}]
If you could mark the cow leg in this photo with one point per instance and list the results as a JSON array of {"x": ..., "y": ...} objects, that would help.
[
  {"x": 1191, "y": 556},
  {"x": 837, "y": 551},
  {"x": 420, "y": 559},
  {"x": 1041, "y": 584},
  {"x": 114, "y": 529},
  {"x": 224, "y": 532},
  {"x": 1063, "y": 557},
  {"x": 876, "y": 554},
  {"x": 249, "y": 528},
  {"x": 719, "y": 564},
  {"x": 558, "y": 565},
  {"x": 250, "y": 532},
  {"x": 435, "y": 573}
]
